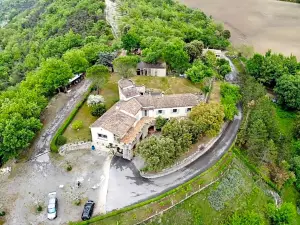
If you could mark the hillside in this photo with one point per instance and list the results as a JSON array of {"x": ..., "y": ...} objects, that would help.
[{"x": 40, "y": 29}]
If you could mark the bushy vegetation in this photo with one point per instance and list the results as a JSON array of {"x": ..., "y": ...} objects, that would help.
[
  {"x": 77, "y": 124},
  {"x": 230, "y": 97},
  {"x": 284, "y": 214},
  {"x": 283, "y": 73},
  {"x": 209, "y": 117},
  {"x": 160, "y": 122},
  {"x": 178, "y": 136},
  {"x": 42, "y": 45},
  {"x": 161, "y": 152},
  {"x": 98, "y": 110},
  {"x": 168, "y": 31}
]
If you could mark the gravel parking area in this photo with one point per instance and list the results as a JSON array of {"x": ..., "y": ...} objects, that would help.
[{"x": 29, "y": 183}]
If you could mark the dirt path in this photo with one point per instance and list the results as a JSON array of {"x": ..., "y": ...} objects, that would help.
[
  {"x": 42, "y": 143},
  {"x": 265, "y": 24},
  {"x": 29, "y": 182}
]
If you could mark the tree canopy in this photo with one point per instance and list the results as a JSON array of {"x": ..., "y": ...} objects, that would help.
[{"x": 209, "y": 117}]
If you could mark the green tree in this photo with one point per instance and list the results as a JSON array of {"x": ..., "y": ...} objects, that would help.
[
  {"x": 209, "y": 117},
  {"x": 194, "y": 49},
  {"x": 226, "y": 34},
  {"x": 288, "y": 91},
  {"x": 157, "y": 152},
  {"x": 246, "y": 218},
  {"x": 76, "y": 59},
  {"x": 160, "y": 122},
  {"x": 77, "y": 124},
  {"x": 283, "y": 215},
  {"x": 254, "y": 65},
  {"x": 174, "y": 130},
  {"x": 126, "y": 65},
  {"x": 53, "y": 73},
  {"x": 198, "y": 72},
  {"x": 98, "y": 110},
  {"x": 130, "y": 41},
  {"x": 174, "y": 55},
  {"x": 99, "y": 74},
  {"x": 210, "y": 60},
  {"x": 296, "y": 128}
]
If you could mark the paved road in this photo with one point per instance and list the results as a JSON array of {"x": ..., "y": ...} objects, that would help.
[{"x": 126, "y": 186}]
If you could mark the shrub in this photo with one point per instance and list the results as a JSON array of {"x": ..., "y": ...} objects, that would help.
[
  {"x": 2, "y": 213},
  {"x": 160, "y": 122},
  {"x": 39, "y": 208},
  {"x": 245, "y": 218},
  {"x": 61, "y": 140},
  {"x": 98, "y": 110},
  {"x": 77, "y": 201},
  {"x": 283, "y": 215},
  {"x": 69, "y": 168},
  {"x": 94, "y": 100},
  {"x": 77, "y": 124}
]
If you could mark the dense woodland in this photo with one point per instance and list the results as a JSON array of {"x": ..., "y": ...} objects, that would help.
[
  {"x": 35, "y": 60},
  {"x": 44, "y": 42}
]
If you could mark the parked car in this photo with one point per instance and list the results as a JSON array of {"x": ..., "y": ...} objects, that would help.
[
  {"x": 88, "y": 210},
  {"x": 52, "y": 206}
]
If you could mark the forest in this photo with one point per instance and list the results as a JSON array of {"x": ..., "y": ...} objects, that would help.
[
  {"x": 42, "y": 45},
  {"x": 44, "y": 42}
]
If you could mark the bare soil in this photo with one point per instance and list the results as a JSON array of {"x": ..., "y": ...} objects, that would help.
[{"x": 265, "y": 24}]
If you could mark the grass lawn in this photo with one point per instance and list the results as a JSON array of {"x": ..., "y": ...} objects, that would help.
[
  {"x": 111, "y": 96},
  {"x": 290, "y": 194},
  {"x": 285, "y": 120},
  {"x": 110, "y": 91},
  {"x": 84, "y": 134},
  {"x": 170, "y": 85},
  {"x": 215, "y": 95},
  {"x": 198, "y": 209}
]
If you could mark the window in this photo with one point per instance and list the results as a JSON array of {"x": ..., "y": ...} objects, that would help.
[
  {"x": 175, "y": 110},
  {"x": 102, "y": 136},
  {"x": 160, "y": 111},
  {"x": 188, "y": 109}
]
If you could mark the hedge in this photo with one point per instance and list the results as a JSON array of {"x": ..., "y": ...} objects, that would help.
[
  {"x": 149, "y": 201},
  {"x": 63, "y": 127},
  {"x": 254, "y": 169}
]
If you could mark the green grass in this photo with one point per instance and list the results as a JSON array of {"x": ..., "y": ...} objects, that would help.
[
  {"x": 170, "y": 85},
  {"x": 136, "y": 213},
  {"x": 290, "y": 194},
  {"x": 111, "y": 96},
  {"x": 239, "y": 65},
  {"x": 110, "y": 91},
  {"x": 84, "y": 134},
  {"x": 215, "y": 95},
  {"x": 197, "y": 209},
  {"x": 285, "y": 120}
]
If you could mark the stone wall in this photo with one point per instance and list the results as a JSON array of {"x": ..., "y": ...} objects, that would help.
[{"x": 75, "y": 146}]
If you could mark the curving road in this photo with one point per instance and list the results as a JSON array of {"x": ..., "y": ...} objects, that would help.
[{"x": 127, "y": 187}]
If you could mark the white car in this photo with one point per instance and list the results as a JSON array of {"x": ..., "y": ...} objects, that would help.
[{"x": 52, "y": 206}]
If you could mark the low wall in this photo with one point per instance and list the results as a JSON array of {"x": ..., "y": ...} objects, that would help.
[
  {"x": 202, "y": 149},
  {"x": 75, "y": 146}
]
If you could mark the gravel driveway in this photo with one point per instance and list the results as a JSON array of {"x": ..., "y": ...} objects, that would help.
[{"x": 29, "y": 183}]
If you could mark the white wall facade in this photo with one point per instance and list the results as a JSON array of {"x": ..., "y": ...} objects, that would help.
[
  {"x": 168, "y": 112},
  {"x": 102, "y": 143},
  {"x": 159, "y": 72}
]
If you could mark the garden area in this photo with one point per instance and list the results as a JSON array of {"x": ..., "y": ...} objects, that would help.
[
  {"x": 110, "y": 93},
  {"x": 238, "y": 193}
]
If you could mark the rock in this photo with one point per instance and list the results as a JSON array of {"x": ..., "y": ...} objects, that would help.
[{"x": 61, "y": 186}]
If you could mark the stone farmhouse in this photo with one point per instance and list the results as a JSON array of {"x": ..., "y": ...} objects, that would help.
[
  {"x": 131, "y": 119},
  {"x": 148, "y": 69}
]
